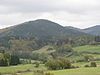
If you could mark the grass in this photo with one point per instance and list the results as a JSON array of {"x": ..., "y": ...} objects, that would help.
[
  {"x": 81, "y": 51},
  {"x": 79, "y": 71},
  {"x": 82, "y": 64},
  {"x": 15, "y": 69},
  {"x": 28, "y": 73},
  {"x": 88, "y": 48}
]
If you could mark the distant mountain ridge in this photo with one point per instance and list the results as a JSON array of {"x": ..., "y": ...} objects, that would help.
[
  {"x": 74, "y": 28},
  {"x": 40, "y": 28},
  {"x": 33, "y": 35},
  {"x": 95, "y": 30}
]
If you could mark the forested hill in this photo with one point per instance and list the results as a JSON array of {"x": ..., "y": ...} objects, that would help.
[
  {"x": 41, "y": 29},
  {"x": 95, "y": 30},
  {"x": 33, "y": 35}
]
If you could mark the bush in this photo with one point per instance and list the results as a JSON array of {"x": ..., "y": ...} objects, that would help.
[
  {"x": 7, "y": 59},
  {"x": 57, "y": 64},
  {"x": 74, "y": 66},
  {"x": 80, "y": 60},
  {"x": 14, "y": 60},
  {"x": 39, "y": 72},
  {"x": 36, "y": 64},
  {"x": 49, "y": 49},
  {"x": 93, "y": 64},
  {"x": 52, "y": 64},
  {"x": 88, "y": 58},
  {"x": 49, "y": 73},
  {"x": 86, "y": 65},
  {"x": 4, "y": 59}
]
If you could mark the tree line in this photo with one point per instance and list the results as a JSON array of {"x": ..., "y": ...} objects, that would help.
[{"x": 7, "y": 59}]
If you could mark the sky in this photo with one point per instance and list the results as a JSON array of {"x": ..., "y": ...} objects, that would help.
[{"x": 77, "y": 13}]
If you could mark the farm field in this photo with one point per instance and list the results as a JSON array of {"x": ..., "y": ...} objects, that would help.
[
  {"x": 25, "y": 70},
  {"x": 13, "y": 69},
  {"x": 88, "y": 48},
  {"x": 28, "y": 68},
  {"x": 81, "y": 51},
  {"x": 79, "y": 71}
]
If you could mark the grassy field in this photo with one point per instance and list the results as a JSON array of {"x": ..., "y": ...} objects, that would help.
[
  {"x": 22, "y": 68},
  {"x": 88, "y": 48},
  {"x": 13, "y": 69},
  {"x": 81, "y": 51},
  {"x": 82, "y": 64},
  {"x": 79, "y": 71}
]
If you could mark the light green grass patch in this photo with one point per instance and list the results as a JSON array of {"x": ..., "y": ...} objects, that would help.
[{"x": 79, "y": 71}]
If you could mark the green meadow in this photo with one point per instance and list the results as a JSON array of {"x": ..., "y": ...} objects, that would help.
[
  {"x": 28, "y": 69},
  {"x": 79, "y": 71}
]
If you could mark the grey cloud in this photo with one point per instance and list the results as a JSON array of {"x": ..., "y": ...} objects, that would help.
[
  {"x": 69, "y": 12},
  {"x": 25, "y": 6}
]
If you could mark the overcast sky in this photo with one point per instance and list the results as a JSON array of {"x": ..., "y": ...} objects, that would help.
[{"x": 77, "y": 13}]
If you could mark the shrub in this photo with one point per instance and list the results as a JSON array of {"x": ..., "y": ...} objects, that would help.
[
  {"x": 52, "y": 64},
  {"x": 57, "y": 64},
  {"x": 88, "y": 58},
  {"x": 14, "y": 60},
  {"x": 36, "y": 64},
  {"x": 86, "y": 65},
  {"x": 93, "y": 64},
  {"x": 0, "y": 74},
  {"x": 39, "y": 72},
  {"x": 80, "y": 60},
  {"x": 49, "y": 73},
  {"x": 49, "y": 49},
  {"x": 74, "y": 66}
]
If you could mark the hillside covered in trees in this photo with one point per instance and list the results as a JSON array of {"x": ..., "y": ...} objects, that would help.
[{"x": 25, "y": 38}]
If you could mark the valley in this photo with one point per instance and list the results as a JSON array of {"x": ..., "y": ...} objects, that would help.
[{"x": 43, "y": 47}]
